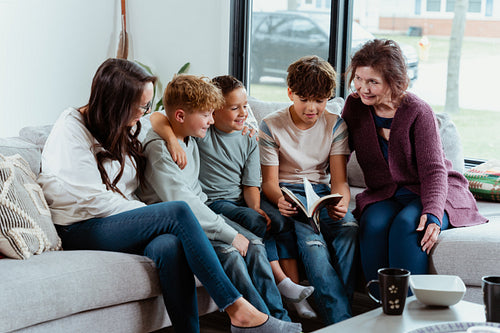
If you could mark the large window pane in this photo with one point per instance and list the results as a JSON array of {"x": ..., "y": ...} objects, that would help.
[
  {"x": 282, "y": 32},
  {"x": 428, "y": 30}
]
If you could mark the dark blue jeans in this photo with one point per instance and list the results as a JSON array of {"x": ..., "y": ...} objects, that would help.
[
  {"x": 252, "y": 275},
  {"x": 279, "y": 241},
  {"x": 171, "y": 236},
  {"x": 328, "y": 257},
  {"x": 388, "y": 237}
]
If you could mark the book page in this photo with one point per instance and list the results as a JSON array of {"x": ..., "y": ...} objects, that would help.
[
  {"x": 290, "y": 197},
  {"x": 311, "y": 196}
]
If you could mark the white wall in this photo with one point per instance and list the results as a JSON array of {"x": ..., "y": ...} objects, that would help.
[{"x": 50, "y": 49}]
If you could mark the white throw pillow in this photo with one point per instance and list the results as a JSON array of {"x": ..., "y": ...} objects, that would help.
[{"x": 26, "y": 227}]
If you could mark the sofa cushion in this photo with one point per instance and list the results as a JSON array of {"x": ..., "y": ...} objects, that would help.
[
  {"x": 36, "y": 134},
  {"x": 58, "y": 284},
  {"x": 469, "y": 252},
  {"x": 26, "y": 226},
  {"x": 29, "y": 151}
]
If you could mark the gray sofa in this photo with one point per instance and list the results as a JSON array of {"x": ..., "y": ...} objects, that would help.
[
  {"x": 94, "y": 291},
  {"x": 79, "y": 291}
]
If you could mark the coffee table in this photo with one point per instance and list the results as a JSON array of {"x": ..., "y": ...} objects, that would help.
[{"x": 415, "y": 315}]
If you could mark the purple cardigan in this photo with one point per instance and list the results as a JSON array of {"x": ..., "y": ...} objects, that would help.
[{"x": 415, "y": 160}]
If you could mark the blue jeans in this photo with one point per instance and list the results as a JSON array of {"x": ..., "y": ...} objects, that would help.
[
  {"x": 388, "y": 237},
  {"x": 279, "y": 241},
  {"x": 252, "y": 274},
  {"x": 170, "y": 235},
  {"x": 328, "y": 258}
]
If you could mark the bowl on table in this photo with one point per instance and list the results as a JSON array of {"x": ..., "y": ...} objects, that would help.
[{"x": 437, "y": 290}]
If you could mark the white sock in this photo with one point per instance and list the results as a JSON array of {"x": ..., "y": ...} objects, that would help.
[
  {"x": 304, "y": 309},
  {"x": 294, "y": 292}
]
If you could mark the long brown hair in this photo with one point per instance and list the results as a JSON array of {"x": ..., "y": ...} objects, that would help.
[{"x": 116, "y": 90}]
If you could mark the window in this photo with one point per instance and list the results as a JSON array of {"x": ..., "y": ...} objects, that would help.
[
  {"x": 449, "y": 5},
  {"x": 433, "y": 5},
  {"x": 478, "y": 114},
  {"x": 280, "y": 34}
]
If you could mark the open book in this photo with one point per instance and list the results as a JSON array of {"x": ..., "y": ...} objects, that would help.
[{"x": 310, "y": 214}]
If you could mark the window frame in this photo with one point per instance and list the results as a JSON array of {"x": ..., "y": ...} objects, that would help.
[
  {"x": 340, "y": 40},
  {"x": 239, "y": 40}
]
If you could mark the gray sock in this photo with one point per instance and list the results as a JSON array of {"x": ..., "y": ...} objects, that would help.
[
  {"x": 294, "y": 292},
  {"x": 271, "y": 325}
]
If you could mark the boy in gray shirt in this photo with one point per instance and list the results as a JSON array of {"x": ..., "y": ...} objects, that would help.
[{"x": 237, "y": 248}]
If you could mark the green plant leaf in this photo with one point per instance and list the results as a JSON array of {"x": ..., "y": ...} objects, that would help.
[
  {"x": 184, "y": 68},
  {"x": 159, "y": 104}
]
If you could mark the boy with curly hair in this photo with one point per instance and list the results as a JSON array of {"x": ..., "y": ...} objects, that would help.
[{"x": 189, "y": 103}]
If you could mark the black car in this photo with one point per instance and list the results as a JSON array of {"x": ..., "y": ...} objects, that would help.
[{"x": 279, "y": 38}]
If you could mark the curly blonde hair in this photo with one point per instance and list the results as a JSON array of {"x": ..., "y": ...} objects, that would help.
[{"x": 192, "y": 93}]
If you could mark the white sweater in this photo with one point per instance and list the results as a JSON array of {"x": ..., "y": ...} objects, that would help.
[{"x": 70, "y": 179}]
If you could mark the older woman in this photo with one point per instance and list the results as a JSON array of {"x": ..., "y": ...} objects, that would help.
[{"x": 412, "y": 192}]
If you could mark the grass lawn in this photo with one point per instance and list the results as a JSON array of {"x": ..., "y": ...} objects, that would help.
[
  {"x": 478, "y": 132},
  {"x": 439, "y": 47}
]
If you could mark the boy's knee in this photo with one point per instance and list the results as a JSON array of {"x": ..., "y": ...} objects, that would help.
[{"x": 316, "y": 243}]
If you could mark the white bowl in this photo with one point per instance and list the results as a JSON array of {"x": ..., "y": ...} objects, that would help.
[{"x": 437, "y": 290}]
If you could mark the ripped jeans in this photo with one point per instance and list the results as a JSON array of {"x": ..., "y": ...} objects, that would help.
[
  {"x": 252, "y": 274},
  {"x": 328, "y": 258}
]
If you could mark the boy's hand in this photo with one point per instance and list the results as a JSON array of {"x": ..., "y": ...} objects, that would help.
[
  {"x": 240, "y": 242},
  {"x": 178, "y": 154},
  {"x": 338, "y": 211},
  {"x": 286, "y": 208},
  {"x": 250, "y": 130},
  {"x": 268, "y": 220}
]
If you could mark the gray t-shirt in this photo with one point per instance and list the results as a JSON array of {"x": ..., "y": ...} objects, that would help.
[
  {"x": 228, "y": 161},
  {"x": 165, "y": 181}
]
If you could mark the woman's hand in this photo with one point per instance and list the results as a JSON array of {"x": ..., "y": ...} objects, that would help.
[
  {"x": 240, "y": 242},
  {"x": 431, "y": 234},
  {"x": 178, "y": 154},
  {"x": 286, "y": 208}
]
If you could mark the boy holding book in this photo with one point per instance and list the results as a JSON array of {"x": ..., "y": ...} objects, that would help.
[
  {"x": 304, "y": 141},
  {"x": 189, "y": 103}
]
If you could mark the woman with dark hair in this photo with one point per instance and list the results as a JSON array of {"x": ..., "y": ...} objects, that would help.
[
  {"x": 412, "y": 191},
  {"x": 92, "y": 163}
]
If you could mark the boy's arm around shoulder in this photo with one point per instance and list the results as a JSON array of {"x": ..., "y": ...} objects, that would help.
[
  {"x": 166, "y": 180},
  {"x": 161, "y": 125}
]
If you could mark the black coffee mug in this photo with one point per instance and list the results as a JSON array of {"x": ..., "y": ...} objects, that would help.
[
  {"x": 491, "y": 297},
  {"x": 393, "y": 286}
]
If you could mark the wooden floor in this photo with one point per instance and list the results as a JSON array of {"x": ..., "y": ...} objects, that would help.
[{"x": 218, "y": 322}]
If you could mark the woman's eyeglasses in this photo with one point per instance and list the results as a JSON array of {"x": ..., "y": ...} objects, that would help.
[{"x": 147, "y": 108}]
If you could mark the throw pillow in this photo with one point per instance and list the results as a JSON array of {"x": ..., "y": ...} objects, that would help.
[
  {"x": 484, "y": 180},
  {"x": 26, "y": 226}
]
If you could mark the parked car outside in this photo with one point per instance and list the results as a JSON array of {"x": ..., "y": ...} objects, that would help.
[{"x": 279, "y": 38}]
